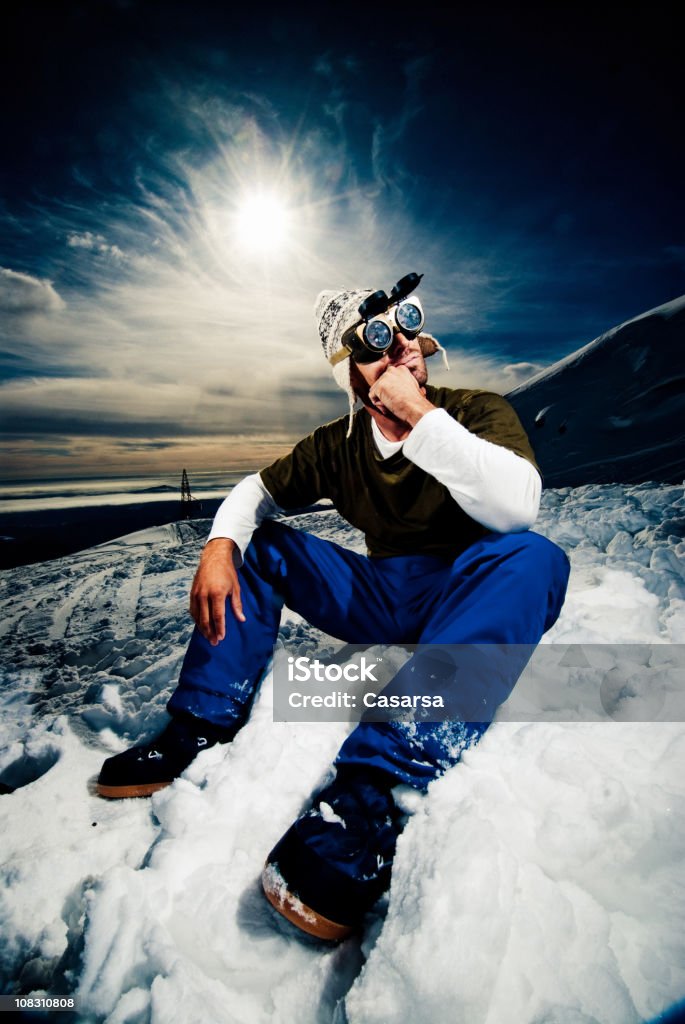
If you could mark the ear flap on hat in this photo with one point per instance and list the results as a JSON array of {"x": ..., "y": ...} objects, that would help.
[{"x": 430, "y": 345}]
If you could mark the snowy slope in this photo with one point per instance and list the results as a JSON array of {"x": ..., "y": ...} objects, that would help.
[
  {"x": 540, "y": 880},
  {"x": 615, "y": 409}
]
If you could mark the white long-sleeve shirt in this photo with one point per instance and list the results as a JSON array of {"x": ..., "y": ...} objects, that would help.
[
  {"x": 239, "y": 515},
  {"x": 493, "y": 485}
]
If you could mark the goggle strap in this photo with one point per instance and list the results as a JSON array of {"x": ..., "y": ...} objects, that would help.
[{"x": 337, "y": 357}]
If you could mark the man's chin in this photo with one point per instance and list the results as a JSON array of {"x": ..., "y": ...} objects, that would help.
[
  {"x": 376, "y": 407},
  {"x": 373, "y": 407}
]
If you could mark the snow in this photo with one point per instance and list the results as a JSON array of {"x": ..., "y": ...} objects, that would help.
[
  {"x": 540, "y": 880},
  {"x": 612, "y": 410}
]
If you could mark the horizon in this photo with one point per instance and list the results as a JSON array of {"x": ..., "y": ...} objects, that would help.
[
  {"x": 39, "y": 495},
  {"x": 8, "y": 486}
]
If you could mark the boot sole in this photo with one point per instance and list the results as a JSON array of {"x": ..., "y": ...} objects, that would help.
[
  {"x": 124, "y": 792},
  {"x": 298, "y": 913}
]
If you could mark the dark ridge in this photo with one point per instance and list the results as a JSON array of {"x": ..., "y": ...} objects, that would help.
[{"x": 27, "y": 537}]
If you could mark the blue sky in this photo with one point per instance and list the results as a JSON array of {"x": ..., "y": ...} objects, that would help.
[{"x": 528, "y": 161}]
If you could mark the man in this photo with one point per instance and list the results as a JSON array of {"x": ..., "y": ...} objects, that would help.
[{"x": 444, "y": 485}]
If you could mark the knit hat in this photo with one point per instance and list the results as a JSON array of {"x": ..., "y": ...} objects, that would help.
[{"x": 335, "y": 312}]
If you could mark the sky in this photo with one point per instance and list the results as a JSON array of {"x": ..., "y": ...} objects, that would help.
[{"x": 527, "y": 160}]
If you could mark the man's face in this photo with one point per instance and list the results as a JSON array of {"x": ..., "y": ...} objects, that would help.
[{"x": 403, "y": 352}]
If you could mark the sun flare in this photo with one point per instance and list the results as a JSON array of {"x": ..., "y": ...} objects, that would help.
[{"x": 262, "y": 222}]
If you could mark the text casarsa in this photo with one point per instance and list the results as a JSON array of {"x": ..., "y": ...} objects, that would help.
[{"x": 404, "y": 701}]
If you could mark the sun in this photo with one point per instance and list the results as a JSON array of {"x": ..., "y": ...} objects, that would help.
[{"x": 262, "y": 222}]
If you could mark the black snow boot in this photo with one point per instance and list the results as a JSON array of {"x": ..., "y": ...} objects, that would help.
[
  {"x": 145, "y": 769},
  {"x": 332, "y": 865}
]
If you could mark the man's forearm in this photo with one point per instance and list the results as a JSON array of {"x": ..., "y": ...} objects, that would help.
[
  {"x": 490, "y": 483},
  {"x": 225, "y": 546}
]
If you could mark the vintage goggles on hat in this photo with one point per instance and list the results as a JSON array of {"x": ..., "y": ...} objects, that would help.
[{"x": 381, "y": 316}]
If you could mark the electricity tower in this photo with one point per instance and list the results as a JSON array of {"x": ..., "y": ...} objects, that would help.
[{"x": 189, "y": 505}]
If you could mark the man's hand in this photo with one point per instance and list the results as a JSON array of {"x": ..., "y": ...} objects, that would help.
[
  {"x": 397, "y": 391},
  {"x": 215, "y": 580}
]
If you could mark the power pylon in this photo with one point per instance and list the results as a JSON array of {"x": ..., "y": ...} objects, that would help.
[{"x": 189, "y": 505}]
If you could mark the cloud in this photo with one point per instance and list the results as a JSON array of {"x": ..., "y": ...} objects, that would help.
[
  {"x": 125, "y": 407},
  {"x": 94, "y": 243},
  {"x": 517, "y": 373},
  {"x": 471, "y": 369},
  {"x": 68, "y": 456},
  {"x": 389, "y": 132},
  {"x": 22, "y": 294},
  {"x": 193, "y": 336}
]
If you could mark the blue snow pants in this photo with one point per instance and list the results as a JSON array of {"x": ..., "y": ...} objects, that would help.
[{"x": 506, "y": 589}]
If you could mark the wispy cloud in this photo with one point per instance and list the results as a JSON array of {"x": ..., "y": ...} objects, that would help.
[
  {"x": 390, "y": 133},
  {"x": 22, "y": 294},
  {"x": 94, "y": 243},
  {"x": 154, "y": 320},
  {"x": 69, "y": 456}
]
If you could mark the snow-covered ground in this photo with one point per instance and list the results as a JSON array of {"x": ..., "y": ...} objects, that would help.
[
  {"x": 540, "y": 880},
  {"x": 612, "y": 410}
]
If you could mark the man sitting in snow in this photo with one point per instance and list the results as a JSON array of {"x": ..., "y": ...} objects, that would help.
[{"x": 444, "y": 485}]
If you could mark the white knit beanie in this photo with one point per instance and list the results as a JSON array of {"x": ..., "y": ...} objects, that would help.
[{"x": 335, "y": 312}]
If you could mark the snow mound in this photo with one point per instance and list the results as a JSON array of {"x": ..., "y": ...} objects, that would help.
[
  {"x": 539, "y": 880},
  {"x": 615, "y": 409}
]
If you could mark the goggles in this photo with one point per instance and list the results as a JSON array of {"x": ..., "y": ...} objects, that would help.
[{"x": 381, "y": 317}]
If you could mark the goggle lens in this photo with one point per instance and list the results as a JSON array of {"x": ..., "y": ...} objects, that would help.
[
  {"x": 409, "y": 317},
  {"x": 378, "y": 335}
]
